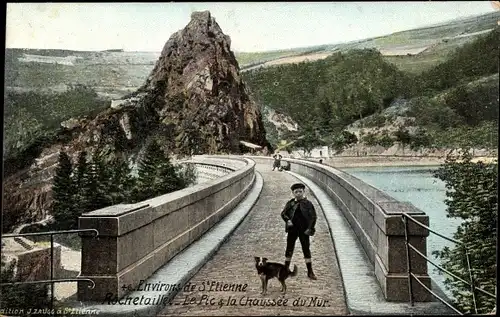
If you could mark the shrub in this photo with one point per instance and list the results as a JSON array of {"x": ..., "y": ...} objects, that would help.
[
  {"x": 370, "y": 139},
  {"x": 385, "y": 140},
  {"x": 33, "y": 296},
  {"x": 343, "y": 140}
]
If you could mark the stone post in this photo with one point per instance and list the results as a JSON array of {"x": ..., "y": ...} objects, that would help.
[
  {"x": 391, "y": 258},
  {"x": 105, "y": 258}
]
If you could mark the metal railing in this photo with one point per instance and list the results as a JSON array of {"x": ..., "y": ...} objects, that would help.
[
  {"x": 52, "y": 281},
  {"x": 471, "y": 283}
]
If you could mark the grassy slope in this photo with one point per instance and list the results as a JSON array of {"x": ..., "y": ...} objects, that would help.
[{"x": 440, "y": 38}]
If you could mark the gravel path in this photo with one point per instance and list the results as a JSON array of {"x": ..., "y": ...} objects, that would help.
[
  {"x": 71, "y": 260},
  {"x": 262, "y": 234}
]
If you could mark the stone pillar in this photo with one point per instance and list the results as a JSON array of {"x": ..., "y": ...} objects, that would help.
[{"x": 391, "y": 258}]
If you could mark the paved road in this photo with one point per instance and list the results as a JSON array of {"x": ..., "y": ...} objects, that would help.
[{"x": 262, "y": 234}]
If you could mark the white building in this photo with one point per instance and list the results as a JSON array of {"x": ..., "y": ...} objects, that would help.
[{"x": 317, "y": 152}]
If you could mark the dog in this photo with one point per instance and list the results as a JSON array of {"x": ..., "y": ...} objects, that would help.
[{"x": 268, "y": 270}]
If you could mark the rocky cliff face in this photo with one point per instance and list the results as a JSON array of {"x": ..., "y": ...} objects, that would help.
[
  {"x": 194, "y": 100},
  {"x": 202, "y": 99}
]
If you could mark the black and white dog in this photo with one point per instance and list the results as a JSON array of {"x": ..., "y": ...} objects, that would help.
[{"x": 268, "y": 270}]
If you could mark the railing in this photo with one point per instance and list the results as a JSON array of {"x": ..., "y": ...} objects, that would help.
[
  {"x": 471, "y": 283},
  {"x": 215, "y": 167},
  {"x": 52, "y": 281}
]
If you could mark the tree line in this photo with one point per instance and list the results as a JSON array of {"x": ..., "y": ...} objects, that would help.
[{"x": 100, "y": 180}]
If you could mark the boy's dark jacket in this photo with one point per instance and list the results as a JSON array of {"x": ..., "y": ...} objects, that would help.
[{"x": 307, "y": 209}]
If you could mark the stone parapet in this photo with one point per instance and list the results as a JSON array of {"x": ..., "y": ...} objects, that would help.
[
  {"x": 136, "y": 240},
  {"x": 376, "y": 219}
]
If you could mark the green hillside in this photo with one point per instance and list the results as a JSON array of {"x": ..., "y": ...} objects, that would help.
[{"x": 326, "y": 96}]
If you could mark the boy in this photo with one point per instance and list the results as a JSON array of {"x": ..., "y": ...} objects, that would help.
[{"x": 300, "y": 217}]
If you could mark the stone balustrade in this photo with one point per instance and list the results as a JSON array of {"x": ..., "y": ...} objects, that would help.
[
  {"x": 209, "y": 171},
  {"x": 135, "y": 240},
  {"x": 376, "y": 219}
]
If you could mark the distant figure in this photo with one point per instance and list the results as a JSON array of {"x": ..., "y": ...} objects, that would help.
[
  {"x": 277, "y": 161},
  {"x": 320, "y": 161},
  {"x": 286, "y": 167}
]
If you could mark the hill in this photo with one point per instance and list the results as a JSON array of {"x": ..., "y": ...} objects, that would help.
[
  {"x": 113, "y": 74},
  {"x": 411, "y": 50},
  {"x": 83, "y": 82},
  {"x": 452, "y": 104}
]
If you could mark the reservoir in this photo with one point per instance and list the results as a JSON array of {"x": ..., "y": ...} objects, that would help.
[{"x": 417, "y": 185}]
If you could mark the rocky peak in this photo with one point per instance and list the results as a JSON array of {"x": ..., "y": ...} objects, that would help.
[
  {"x": 199, "y": 91},
  {"x": 194, "y": 99}
]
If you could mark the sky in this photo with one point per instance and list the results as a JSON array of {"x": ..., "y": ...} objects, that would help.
[{"x": 252, "y": 26}]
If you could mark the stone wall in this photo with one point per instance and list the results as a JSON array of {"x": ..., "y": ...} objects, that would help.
[
  {"x": 136, "y": 240},
  {"x": 376, "y": 219},
  {"x": 32, "y": 260}
]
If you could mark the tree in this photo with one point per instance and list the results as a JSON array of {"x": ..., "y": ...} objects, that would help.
[
  {"x": 168, "y": 179},
  {"x": 472, "y": 196},
  {"x": 324, "y": 115},
  {"x": 96, "y": 194},
  {"x": 122, "y": 182},
  {"x": 158, "y": 176},
  {"x": 147, "y": 172},
  {"x": 470, "y": 61},
  {"x": 420, "y": 139},
  {"x": 63, "y": 189},
  {"x": 403, "y": 136},
  {"x": 309, "y": 139},
  {"x": 190, "y": 137},
  {"x": 370, "y": 139},
  {"x": 476, "y": 104},
  {"x": 82, "y": 169},
  {"x": 385, "y": 140},
  {"x": 188, "y": 174},
  {"x": 343, "y": 139}
]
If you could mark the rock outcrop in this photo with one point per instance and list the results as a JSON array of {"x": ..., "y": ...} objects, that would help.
[
  {"x": 194, "y": 100},
  {"x": 281, "y": 121},
  {"x": 201, "y": 93}
]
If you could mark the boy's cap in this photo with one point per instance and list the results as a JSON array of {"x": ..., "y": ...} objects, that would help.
[{"x": 297, "y": 186}]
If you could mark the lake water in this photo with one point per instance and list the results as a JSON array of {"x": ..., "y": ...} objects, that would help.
[{"x": 417, "y": 185}]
